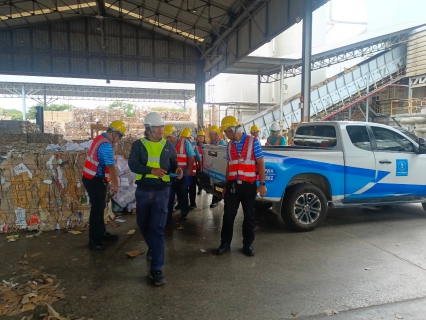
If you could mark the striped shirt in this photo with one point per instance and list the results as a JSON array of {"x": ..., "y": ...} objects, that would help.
[
  {"x": 106, "y": 157},
  {"x": 258, "y": 153}
]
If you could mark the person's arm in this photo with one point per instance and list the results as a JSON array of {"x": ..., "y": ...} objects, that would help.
[
  {"x": 261, "y": 165},
  {"x": 190, "y": 153},
  {"x": 227, "y": 171},
  {"x": 106, "y": 156}
]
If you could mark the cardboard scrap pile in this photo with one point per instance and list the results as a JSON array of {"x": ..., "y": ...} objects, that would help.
[
  {"x": 42, "y": 190},
  {"x": 29, "y": 291},
  {"x": 15, "y": 132},
  {"x": 53, "y": 127}
]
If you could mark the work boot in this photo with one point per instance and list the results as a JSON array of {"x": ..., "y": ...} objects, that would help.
[
  {"x": 177, "y": 207},
  {"x": 96, "y": 245},
  {"x": 192, "y": 206},
  {"x": 158, "y": 277},
  {"x": 149, "y": 255},
  {"x": 199, "y": 192},
  {"x": 248, "y": 251},
  {"x": 224, "y": 247},
  {"x": 109, "y": 237},
  {"x": 213, "y": 205}
]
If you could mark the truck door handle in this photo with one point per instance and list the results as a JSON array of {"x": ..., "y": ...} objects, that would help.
[{"x": 385, "y": 161}]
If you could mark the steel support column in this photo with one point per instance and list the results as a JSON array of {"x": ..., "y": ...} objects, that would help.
[
  {"x": 281, "y": 96},
  {"x": 410, "y": 89},
  {"x": 366, "y": 100},
  {"x": 24, "y": 108},
  {"x": 258, "y": 93},
  {"x": 306, "y": 61},
  {"x": 200, "y": 93}
]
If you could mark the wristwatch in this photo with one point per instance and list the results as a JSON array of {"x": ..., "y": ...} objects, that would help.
[{"x": 263, "y": 184}]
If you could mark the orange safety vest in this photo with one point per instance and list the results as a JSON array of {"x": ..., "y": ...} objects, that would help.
[
  {"x": 182, "y": 158},
  {"x": 92, "y": 161},
  {"x": 242, "y": 166}
]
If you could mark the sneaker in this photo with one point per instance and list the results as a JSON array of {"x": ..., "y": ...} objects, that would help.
[
  {"x": 96, "y": 245},
  {"x": 158, "y": 277},
  {"x": 213, "y": 205},
  {"x": 177, "y": 207},
  {"x": 192, "y": 206},
  {"x": 149, "y": 255},
  {"x": 109, "y": 237}
]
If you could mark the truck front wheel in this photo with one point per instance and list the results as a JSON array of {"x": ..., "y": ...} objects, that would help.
[{"x": 304, "y": 207}]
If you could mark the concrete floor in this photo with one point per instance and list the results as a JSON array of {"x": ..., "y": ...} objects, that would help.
[{"x": 299, "y": 273}]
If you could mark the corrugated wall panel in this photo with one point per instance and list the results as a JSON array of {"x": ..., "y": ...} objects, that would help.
[
  {"x": 161, "y": 49},
  {"x": 244, "y": 38},
  {"x": 60, "y": 64},
  {"x": 41, "y": 64},
  {"x": 416, "y": 61},
  {"x": 146, "y": 70},
  {"x": 176, "y": 71},
  {"x": 257, "y": 33},
  {"x": 7, "y": 61},
  {"x": 131, "y": 52},
  {"x": 41, "y": 39}
]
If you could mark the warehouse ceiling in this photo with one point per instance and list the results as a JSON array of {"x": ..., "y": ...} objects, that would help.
[{"x": 220, "y": 31}]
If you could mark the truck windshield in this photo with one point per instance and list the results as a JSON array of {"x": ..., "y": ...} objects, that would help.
[{"x": 322, "y": 136}]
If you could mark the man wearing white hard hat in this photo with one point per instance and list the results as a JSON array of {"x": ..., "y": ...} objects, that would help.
[
  {"x": 275, "y": 139},
  {"x": 153, "y": 159}
]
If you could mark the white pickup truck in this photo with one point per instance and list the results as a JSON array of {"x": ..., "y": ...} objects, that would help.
[{"x": 333, "y": 164}]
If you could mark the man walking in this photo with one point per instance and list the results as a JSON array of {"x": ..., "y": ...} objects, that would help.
[
  {"x": 153, "y": 158},
  {"x": 99, "y": 169},
  {"x": 245, "y": 159},
  {"x": 185, "y": 158},
  {"x": 215, "y": 140}
]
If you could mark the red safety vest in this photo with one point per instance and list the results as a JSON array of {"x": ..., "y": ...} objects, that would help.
[
  {"x": 182, "y": 158},
  {"x": 92, "y": 161},
  {"x": 242, "y": 166}
]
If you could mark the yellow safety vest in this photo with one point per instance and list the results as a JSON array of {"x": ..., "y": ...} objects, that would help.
[{"x": 154, "y": 150}]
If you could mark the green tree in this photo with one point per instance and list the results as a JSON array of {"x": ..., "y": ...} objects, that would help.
[
  {"x": 31, "y": 113},
  {"x": 13, "y": 113},
  {"x": 128, "y": 108}
]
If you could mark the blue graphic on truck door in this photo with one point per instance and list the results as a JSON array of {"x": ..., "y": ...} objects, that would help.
[{"x": 401, "y": 167}]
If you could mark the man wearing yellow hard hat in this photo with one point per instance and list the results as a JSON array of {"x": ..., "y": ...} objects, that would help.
[
  {"x": 215, "y": 140},
  {"x": 254, "y": 131},
  {"x": 186, "y": 158},
  {"x": 99, "y": 169},
  {"x": 245, "y": 168},
  {"x": 154, "y": 160}
]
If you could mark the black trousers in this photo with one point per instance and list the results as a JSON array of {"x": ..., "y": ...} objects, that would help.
[
  {"x": 245, "y": 194},
  {"x": 192, "y": 190},
  {"x": 97, "y": 190}
]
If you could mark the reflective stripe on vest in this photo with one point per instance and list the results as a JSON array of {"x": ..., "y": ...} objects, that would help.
[
  {"x": 92, "y": 161},
  {"x": 242, "y": 166},
  {"x": 182, "y": 158},
  {"x": 154, "y": 150}
]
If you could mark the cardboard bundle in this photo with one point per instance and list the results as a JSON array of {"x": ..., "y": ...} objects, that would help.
[
  {"x": 18, "y": 127},
  {"x": 42, "y": 190}
]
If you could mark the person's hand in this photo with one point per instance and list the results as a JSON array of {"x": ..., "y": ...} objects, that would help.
[
  {"x": 115, "y": 188},
  {"x": 223, "y": 192},
  {"x": 262, "y": 191},
  {"x": 179, "y": 171},
  {"x": 158, "y": 172},
  {"x": 267, "y": 144},
  {"x": 191, "y": 173}
]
